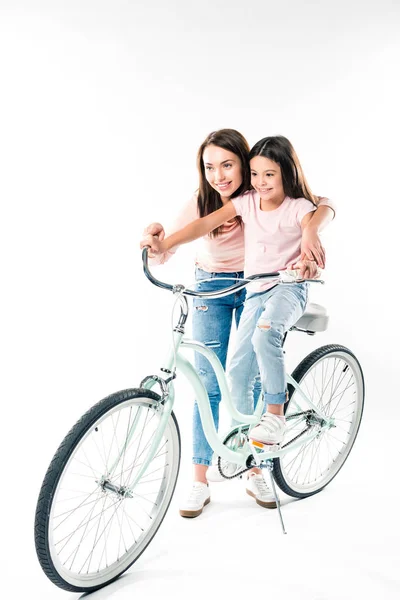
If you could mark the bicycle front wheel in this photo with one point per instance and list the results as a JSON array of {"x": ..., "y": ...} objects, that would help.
[
  {"x": 90, "y": 525},
  {"x": 331, "y": 377}
]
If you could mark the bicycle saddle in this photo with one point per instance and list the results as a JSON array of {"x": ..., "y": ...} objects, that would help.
[{"x": 315, "y": 318}]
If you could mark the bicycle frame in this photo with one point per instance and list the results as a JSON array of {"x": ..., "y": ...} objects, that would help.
[
  {"x": 176, "y": 361},
  {"x": 183, "y": 365}
]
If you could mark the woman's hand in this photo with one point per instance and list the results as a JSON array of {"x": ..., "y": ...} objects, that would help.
[
  {"x": 151, "y": 235},
  {"x": 155, "y": 229},
  {"x": 311, "y": 247},
  {"x": 155, "y": 245},
  {"x": 306, "y": 269}
]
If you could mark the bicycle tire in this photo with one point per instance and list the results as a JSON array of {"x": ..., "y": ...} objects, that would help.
[
  {"x": 289, "y": 469},
  {"x": 107, "y": 418}
]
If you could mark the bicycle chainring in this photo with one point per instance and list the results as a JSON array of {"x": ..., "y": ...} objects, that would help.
[{"x": 236, "y": 439}]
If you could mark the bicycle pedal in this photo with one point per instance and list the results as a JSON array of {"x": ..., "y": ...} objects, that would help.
[{"x": 265, "y": 447}]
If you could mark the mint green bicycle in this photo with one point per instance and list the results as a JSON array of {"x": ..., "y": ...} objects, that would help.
[{"x": 111, "y": 480}]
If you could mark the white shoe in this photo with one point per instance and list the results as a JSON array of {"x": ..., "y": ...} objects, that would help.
[
  {"x": 270, "y": 430},
  {"x": 258, "y": 489},
  {"x": 213, "y": 473},
  {"x": 199, "y": 496}
]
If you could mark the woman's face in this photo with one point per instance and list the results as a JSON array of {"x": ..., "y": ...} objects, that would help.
[
  {"x": 223, "y": 170},
  {"x": 266, "y": 178}
]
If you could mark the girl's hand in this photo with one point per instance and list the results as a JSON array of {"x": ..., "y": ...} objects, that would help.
[
  {"x": 311, "y": 247},
  {"x": 156, "y": 246},
  {"x": 155, "y": 229},
  {"x": 306, "y": 269}
]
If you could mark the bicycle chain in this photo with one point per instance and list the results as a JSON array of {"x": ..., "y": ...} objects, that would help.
[
  {"x": 296, "y": 438},
  {"x": 231, "y": 476}
]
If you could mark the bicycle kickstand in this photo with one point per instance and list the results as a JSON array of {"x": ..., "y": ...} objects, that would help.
[{"x": 269, "y": 465}]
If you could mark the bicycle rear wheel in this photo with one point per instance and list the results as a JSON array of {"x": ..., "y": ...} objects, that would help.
[
  {"x": 90, "y": 527},
  {"x": 332, "y": 378}
]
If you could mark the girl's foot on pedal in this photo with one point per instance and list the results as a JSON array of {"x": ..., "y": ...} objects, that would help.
[
  {"x": 270, "y": 430},
  {"x": 198, "y": 498},
  {"x": 258, "y": 489}
]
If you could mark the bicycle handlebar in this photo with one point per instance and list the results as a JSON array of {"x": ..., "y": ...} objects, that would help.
[{"x": 224, "y": 292}]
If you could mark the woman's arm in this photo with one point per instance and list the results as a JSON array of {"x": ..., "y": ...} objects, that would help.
[
  {"x": 188, "y": 214},
  {"x": 311, "y": 247},
  {"x": 193, "y": 231},
  {"x": 306, "y": 269}
]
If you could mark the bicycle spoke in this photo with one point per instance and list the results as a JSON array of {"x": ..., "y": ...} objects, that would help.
[
  {"x": 73, "y": 510},
  {"x": 81, "y": 524},
  {"x": 114, "y": 439},
  {"x": 69, "y": 512},
  {"x": 75, "y": 551},
  {"x": 97, "y": 538}
]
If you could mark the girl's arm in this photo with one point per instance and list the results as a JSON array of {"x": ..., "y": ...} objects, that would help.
[
  {"x": 193, "y": 231},
  {"x": 311, "y": 246}
]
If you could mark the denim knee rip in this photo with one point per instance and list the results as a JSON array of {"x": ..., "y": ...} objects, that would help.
[
  {"x": 264, "y": 323},
  {"x": 202, "y": 308}
]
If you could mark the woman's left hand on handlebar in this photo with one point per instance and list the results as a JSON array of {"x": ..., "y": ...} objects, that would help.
[{"x": 154, "y": 244}]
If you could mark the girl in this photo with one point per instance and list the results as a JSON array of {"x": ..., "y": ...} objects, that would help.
[{"x": 224, "y": 175}]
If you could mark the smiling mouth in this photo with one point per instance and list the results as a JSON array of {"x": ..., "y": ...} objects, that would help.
[
  {"x": 223, "y": 185},
  {"x": 263, "y": 190}
]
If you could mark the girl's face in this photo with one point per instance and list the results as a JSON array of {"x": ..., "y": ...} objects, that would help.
[
  {"x": 223, "y": 170},
  {"x": 266, "y": 178}
]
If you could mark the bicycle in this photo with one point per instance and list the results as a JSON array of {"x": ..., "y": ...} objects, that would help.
[{"x": 111, "y": 481}]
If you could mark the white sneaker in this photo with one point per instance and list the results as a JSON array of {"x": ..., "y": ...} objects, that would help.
[
  {"x": 199, "y": 496},
  {"x": 270, "y": 430},
  {"x": 213, "y": 473},
  {"x": 258, "y": 489}
]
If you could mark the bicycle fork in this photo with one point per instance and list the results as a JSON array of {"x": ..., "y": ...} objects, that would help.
[{"x": 165, "y": 408}]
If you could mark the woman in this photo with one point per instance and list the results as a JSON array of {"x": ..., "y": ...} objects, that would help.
[{"x": 224, "y": 174}]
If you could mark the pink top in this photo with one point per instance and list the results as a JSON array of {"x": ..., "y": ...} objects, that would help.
[
  {"x": 272, "y": 238},
  {"x": 224, "y": 253}
]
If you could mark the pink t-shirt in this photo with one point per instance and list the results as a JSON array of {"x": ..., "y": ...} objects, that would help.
[
  {"x": 224, "y": 253},
  {"x": 272, "y": 239}
]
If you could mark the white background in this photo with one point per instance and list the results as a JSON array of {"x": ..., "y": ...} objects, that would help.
[{"x": 103, "y": 106}]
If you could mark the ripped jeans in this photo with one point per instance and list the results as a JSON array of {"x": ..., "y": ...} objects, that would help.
[
  {"x": 265, "y": 319},
  {"x": 212, "y": 322}
]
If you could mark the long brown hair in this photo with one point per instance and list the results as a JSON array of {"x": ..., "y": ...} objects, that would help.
[
  {"x": 208, "y": 199},
  {"x": 280, "y": 150}
]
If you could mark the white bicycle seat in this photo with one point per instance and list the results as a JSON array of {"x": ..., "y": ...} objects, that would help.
[{"x": 315, "y": 318}]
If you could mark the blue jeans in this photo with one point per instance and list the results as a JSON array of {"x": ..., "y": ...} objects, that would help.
[
  {"x": 212, "y": 322},
  {"x": 265, "y": 319}
]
